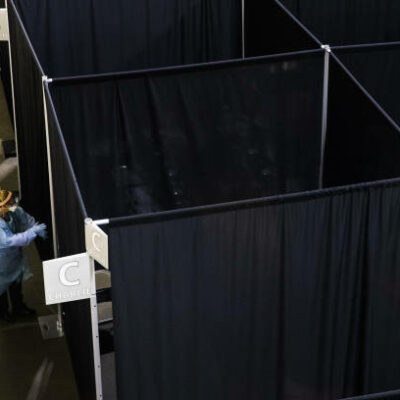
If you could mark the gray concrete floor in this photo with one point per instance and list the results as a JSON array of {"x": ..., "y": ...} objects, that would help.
[{"x": 31, "y": 368}]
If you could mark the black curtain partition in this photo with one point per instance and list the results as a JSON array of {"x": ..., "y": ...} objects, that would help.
[
  {"x": 27, "y": 79},
  {"x": 6, "y": 76},
  {"x": 344, "y": 22},
  {"x": 293, "y": 299},
  {"x": 69, "y": 217},
  {"x": 290, "y": 296},
  {"x": 173, "y": 139},
  {"x": 376, "y": 68},
  {"x": 5, "y": 70},
  {"x": 78, "y": 37}
]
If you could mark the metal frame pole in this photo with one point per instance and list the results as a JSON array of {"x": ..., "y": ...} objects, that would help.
[
  {"x": 52, "y": 207},
  {"x": 325, "y": 95},
  {"x": 53, "y": 216},
  {"x": 95, "y": 338},
  {"x": 93, "y": 299},
  {"x": 13, "y": 104}
]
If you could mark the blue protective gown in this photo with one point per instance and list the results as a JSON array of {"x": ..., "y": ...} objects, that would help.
[{"x": 14, "y": 234}]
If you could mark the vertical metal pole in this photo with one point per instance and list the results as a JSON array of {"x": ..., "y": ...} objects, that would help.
[
  {"x": 52, "y": 207},
  {"x": 325, "y": 95},
  {"x": 243, "y": 30},
  {"x": 13, "y": 104},
  {"x": 95, "y": 337},
  {"x": 53, "y": 216},
  {"x": 93, "y": 298}
]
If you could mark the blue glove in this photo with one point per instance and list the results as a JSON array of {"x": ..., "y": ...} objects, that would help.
[
  {"x": 21, "y": 239},
  {"x": 40, "y": 230}
]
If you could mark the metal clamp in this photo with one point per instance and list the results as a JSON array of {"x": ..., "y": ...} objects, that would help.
[
  {"x": 326, "y": 47},
  {"x": 46, "y": 79}
]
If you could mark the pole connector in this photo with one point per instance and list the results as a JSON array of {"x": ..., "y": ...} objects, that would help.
[
  {"x": 100, "y": 222},
  {"x": 46, "y": 79},
  {"x": 327, "y": 48}
]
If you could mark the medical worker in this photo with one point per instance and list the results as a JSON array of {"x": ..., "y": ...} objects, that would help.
[{"x": 17, "y": 229}]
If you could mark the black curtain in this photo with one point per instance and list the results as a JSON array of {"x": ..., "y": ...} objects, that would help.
[
  {"x": 377, "y": 68},
  {"x": 341, "y": 22},
  {"x": 181, "y": 138},
  {"x": 6, "y": 76},
  {"x": 270, "y": 29},
  {"x": 27, "y": 78},
  {"x": 362, "y": 145},
  {"x": 69, "y": 216},
  {"x": 5, "y": 70},
  {"x": 290, "y": 299},
  {"x": 77, "y": 37}
]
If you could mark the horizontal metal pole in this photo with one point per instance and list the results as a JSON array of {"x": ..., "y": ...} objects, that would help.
[
  {"x": 183, "y": 68},
  {"x": 102, "y": 222},
  {"x": 376, "y": 396}
]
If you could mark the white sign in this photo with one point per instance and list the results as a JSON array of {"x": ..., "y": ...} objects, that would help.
[
  {"x": 68, "y": 279},
  {"x": 96, "y": 243}
]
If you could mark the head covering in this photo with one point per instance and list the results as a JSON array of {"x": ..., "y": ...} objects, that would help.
[{"x": 5, "y": 198}]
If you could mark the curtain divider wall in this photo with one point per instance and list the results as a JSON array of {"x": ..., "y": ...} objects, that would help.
[
  {"x": 7, "y": 4},
  {"x": 13, "y": 101}
]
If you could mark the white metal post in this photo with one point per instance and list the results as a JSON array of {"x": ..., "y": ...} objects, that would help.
[
  {"x": 52, "y": 207},
  {"x": 95, "y": 338},
  {"x": 53, "y": 216},
  {"x": 93, "y": 298},
  {"x": 325, "y": 95},
  {"x": 13, "y": 104}
]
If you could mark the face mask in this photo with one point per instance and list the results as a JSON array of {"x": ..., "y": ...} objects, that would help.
[{"x": 12, "y": 209}]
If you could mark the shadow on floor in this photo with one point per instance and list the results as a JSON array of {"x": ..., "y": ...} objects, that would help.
[{"x": 30, "y": 367}]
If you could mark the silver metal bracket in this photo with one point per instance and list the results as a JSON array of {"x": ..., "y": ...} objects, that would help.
[
  {"x": 100, "y": 222},
  {"x": 96, "y": 241},
  {"x": 326, "y": 47},
  {"x": 4, "y": 31},
  {"x": 46, "y": 79},
  {"x": 50, "y": 326}
]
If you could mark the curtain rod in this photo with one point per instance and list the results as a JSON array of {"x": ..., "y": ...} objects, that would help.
[
  {"x": 375, "y": 395},
  {"x": 305, "y": 195},
  {"x": 181, "y": 68},
  {"x": 365, "y": 45}
]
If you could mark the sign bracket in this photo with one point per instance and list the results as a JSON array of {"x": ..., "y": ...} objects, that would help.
[{"x": 4, "y": 30}]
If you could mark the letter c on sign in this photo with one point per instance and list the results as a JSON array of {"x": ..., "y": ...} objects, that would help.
[
  {"x": 63, "y": 274},
  {"x": 94, "y": 237}
]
